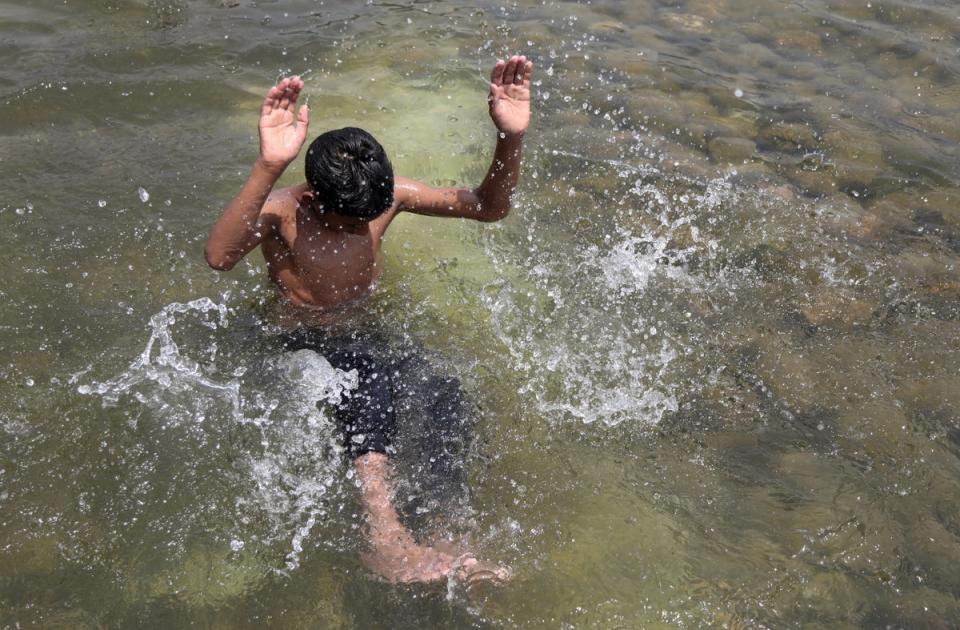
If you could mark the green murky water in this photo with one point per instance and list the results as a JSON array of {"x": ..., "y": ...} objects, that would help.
[{"x": 715, "y": 349}]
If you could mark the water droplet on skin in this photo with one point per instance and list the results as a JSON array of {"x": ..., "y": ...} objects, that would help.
[{"x": 143, "y": 194}]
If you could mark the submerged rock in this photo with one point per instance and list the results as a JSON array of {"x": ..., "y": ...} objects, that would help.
[
  {"x": 790, "y": 136},
  {"x": 759, "y": 55},
  {"x": 877, "y": 102},
  {"x": 804, "y": 40},
  {"x": 810, "y": 183},
  {"x": 856, "y": 156},
  {"x": 733, "y": 99},
  {"x": 606, "y": 26},
  {"x": 687, "y": 22},
  {"x": 837, "y": 308},
  {"x": 803, "y": 70},
  {"x": 943, "y": 203},
  {"x": 681, "y": 160},
  {"x": 734, "y": 150},
  {"x": 32, "y": 556},
  {"x": 204, "y": 576},
  {"x": 934, "y": 553},
  {"x": 839, "y": 213},
  {"x": 635, "y": 63}
]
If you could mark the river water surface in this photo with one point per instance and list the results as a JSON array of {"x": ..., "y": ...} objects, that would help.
[{"x": 714, "y": 352}]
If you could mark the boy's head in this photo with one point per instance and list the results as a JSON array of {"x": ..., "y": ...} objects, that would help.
[{"x": 350, "y": 174}]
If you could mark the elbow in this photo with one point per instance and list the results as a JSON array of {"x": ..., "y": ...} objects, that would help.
[
  {"x": 217, "y": 260},
  {"x": 493, "y": 217},
  {"x": 493, "y": 213}
]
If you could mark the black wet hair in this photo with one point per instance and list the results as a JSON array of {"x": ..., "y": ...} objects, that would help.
[{"x": 350, "y": 174}]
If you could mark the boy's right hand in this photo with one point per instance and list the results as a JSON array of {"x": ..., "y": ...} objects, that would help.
[{"x": 280, "y": 139}]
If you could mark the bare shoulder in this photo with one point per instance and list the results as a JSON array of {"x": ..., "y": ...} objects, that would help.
[{"x": 283, "y": 202}]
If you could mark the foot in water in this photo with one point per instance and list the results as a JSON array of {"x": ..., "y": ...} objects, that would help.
[
  {"x": 411, "y": 563},
  {"x": 396, "y": 556}
]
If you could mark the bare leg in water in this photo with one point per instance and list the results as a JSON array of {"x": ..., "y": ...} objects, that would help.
[{"x": 395, "y": 555}]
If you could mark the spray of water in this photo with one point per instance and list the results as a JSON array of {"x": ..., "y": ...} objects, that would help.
[
  {"x": 596, "y": 334},
  {"x": 181, "y": 383}
]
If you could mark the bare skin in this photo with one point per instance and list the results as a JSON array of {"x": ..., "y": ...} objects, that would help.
[{"x": 321, "y": 261}]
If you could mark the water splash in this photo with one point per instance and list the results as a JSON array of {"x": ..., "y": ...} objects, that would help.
[
  {"x": 167, "y": 367},
  {"x": 601, "y": 329},
  {"x": 182, "y": 385},
  {"x": 300, "y": 459}
]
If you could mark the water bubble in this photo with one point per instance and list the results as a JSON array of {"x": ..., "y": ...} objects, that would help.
[
  {"x": 236, "y": 545},
  {"x": 28, "y": 382},
  {"x": 101, "y": 203},
  {"x": 143, "y": 194},
  {"x": 738, "y": 93}
]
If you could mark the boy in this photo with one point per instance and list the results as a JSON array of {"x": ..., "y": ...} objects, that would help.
[{"x": 321, "y": 241}]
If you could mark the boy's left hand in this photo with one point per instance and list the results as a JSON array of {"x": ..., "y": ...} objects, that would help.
[{"x": 510, "y": 95}]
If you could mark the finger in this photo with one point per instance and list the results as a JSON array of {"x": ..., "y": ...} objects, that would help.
[
  {"x": 494, "y": 94},
  {"x": 518, "y": 74},
  {"x": 294, "y": 92},
  {"x": 496, "y": 76},
  {"x": 527, "y": 73},
  {"x": 285, "y": 98},
  {"x": 296, "y": 85},
  {"x": 303, "y": 121},
  {"x": 277, "y": 92},
  {"x": 270, "y": 102},
  {"x": 510, "y": 70}
]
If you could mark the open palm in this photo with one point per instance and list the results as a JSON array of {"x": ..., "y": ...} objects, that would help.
[
  {"x": 510, "y": 94},
  {"x": 280, "y": 138}
]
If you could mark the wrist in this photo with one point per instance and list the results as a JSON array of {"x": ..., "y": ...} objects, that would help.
[
  {"x": 273, "y": 169},
  {"x": 510, "y": 137}
]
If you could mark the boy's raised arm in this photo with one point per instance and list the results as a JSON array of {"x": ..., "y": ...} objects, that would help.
[
  {"x": 509, "y": 101},
  {"x": 241, "y": 226}
]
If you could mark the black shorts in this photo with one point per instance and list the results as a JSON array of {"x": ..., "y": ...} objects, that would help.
[{"x": 392, "y": 381}]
